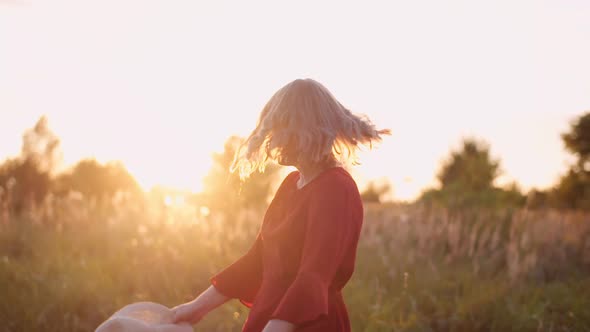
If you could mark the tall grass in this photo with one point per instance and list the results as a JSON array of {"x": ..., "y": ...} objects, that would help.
[{"x": 68, "y": 265}]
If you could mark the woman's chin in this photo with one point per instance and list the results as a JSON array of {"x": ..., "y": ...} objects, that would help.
[{"x": 283, "y": 161}]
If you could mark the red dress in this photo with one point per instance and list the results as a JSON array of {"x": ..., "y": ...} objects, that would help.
[{"x": 302, "y": 257}]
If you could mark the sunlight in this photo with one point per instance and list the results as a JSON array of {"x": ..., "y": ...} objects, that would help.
[
  {"x": 183, "y": 172},
  {"x": 168, "y": 200},
  {"x": 163, "y": 104}
]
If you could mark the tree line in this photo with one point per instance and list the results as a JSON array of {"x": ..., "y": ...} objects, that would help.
[{"x": 465, "y": 179}]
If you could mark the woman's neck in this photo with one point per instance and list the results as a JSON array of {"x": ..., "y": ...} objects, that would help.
[{"x": 308, "y": 172}]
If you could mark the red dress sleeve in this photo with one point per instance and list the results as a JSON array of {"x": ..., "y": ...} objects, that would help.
[
  {"x": 242, "y": 279},
  {"x": 330, "y": 230}
]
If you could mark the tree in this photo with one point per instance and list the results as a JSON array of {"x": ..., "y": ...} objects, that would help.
[
  {"x": 225, "y": 191},
  {"x": 28, "y": 177},
  {"x": 470, "y": 168},
  {"x": 375, "y": 193},
  {"x": 25, "y": 184},
  {"x": 41, "y": 147},
  {"x": 97, "y": 181},
  {"x": 573, "y": 189},
  {"x": 577, "y": 141},
  {"x": 467, "y": 180}
]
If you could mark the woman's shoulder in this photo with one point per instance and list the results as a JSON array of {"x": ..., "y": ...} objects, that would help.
[
  {"x": 332, "y": 180},
  {"x": 337, "y": 179},
  {"x": 341, "y": 175},
  {"x": 288, "y": 181},
  {"x": 336, "y": 193}
]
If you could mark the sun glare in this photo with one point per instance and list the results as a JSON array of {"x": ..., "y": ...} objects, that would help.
[{"x": 164, "y": 102}]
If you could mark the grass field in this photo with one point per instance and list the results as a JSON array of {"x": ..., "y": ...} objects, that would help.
[{"x": 68, "y": 266}]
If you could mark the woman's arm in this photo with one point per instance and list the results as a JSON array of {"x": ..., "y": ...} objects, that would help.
[
  {"x": 242, "y": 279},
  {"x": 277, "y": 325},
  {"x": 193, "y": 311}
]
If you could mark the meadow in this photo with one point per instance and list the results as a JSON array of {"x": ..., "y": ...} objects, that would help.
[{"x": 69, "y": 264}]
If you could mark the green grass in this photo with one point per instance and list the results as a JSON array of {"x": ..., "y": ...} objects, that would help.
[{"x": 415, "y": 271}]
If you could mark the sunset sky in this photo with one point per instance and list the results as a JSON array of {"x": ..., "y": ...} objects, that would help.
[{"x": 161, "y": 84}]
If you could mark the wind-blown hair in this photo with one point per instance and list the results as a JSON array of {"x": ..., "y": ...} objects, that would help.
[{"x": 305, "y": 115}]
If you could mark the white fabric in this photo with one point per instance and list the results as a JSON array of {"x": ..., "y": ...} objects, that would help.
[{"x": 143, "y": 317}]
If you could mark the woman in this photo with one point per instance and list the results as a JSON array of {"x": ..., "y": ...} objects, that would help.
[{"x": 304, "y": 254}]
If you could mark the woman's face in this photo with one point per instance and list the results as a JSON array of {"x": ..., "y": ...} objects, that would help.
[{"x": 289, "y": 154}]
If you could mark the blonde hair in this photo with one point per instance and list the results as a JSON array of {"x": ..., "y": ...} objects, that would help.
[{"x": 306, "y": 113}]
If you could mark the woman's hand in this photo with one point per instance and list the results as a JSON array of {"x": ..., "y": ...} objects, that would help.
[
  {"x": 192, "y": 312},
  {"x": 189, "y": 312}
]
